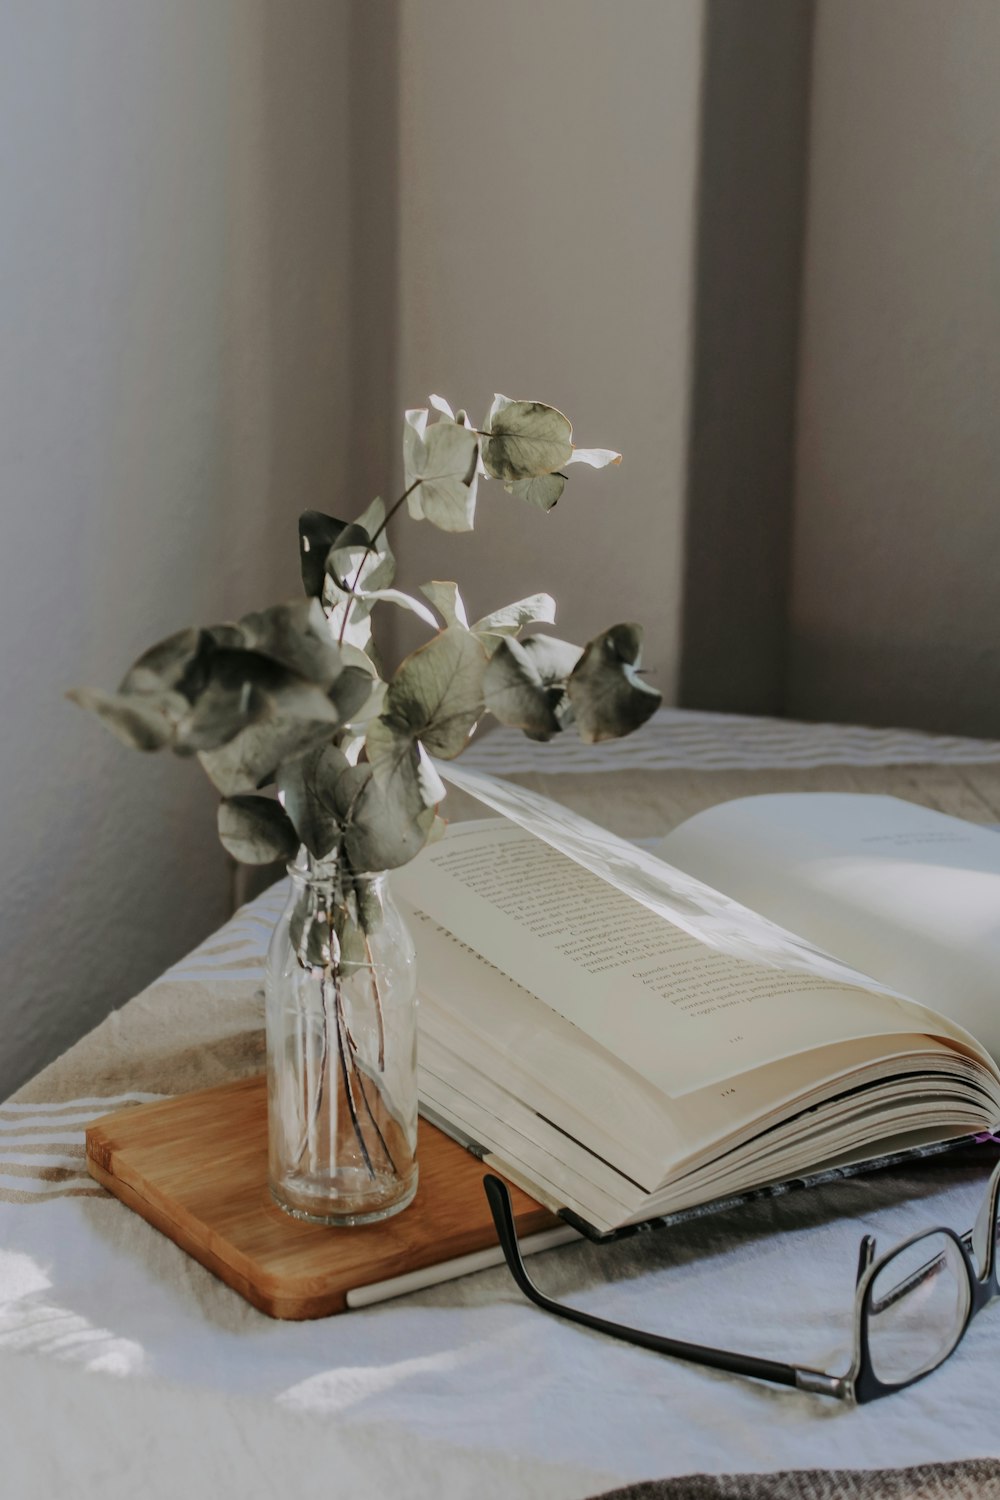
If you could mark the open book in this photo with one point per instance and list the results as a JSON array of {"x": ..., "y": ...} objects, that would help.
[{"x": 813, "y": 980}]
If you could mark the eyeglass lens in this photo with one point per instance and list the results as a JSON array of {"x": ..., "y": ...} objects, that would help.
[{"x": 917, "y": 1308}]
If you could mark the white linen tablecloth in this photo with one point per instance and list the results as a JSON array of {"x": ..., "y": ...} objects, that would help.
[{"x": 127, "y": 1368}]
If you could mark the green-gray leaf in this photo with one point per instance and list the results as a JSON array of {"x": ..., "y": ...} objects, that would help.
[
  {"x": 401, "y": 765},
  {"x": 436, "y": 694},
  {"x": 297, "y": 636},
  {"x": 380, "y": 832},
  {"x": 525, "y": 683},
  {"x": 440, "y": 469},
  {"x": 525, "y": 439},
  {"x": 317, "y": 533},
  {"x": 536, "y": 609},
  {"x": 256, "y": 830},
  {"x": 544, "y": 490},
  {"x": 139, "y": 722},
  {"x": 447, "y": 601},
  {"x": 609, "y": 698},
  {"x": 251, "y": 758},
  {"x": 164, "y": 667},
  {"x": 311, "y": 931},
  {"x": 307, "y": 788}
]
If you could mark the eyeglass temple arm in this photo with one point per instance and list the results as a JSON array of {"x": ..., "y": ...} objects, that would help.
[{"x": 717, "y": 1359}]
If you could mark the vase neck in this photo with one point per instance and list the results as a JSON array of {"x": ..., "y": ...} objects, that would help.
[{"x": 307, "y": 869}]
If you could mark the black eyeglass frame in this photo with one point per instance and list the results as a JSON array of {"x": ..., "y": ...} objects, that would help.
[{"x": 977, "y": 1248}]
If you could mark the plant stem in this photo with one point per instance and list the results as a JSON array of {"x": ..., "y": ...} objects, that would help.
[
  {"x": 378, "y": 1007},
  {"x": 368, "y": 552},
  {"x": 342, "y": 1051}
]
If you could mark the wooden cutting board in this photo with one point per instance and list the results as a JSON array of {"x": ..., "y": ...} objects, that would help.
[{"x": 196, "y": 1168}]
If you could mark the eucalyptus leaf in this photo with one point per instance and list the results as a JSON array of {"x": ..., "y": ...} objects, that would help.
[
  {"x": 164, "y": 667},
  {"x": 353, "y": 657},
  {"x": 525, "y": 683},
  {"x": 525, "y": 439},
  {"x": 218, "y": 714},
  {"x": 536, "y": 609},
  {"x": 307, "y": 790},
  {"x": 436, "y": 694},
  {"x": 358, "y": 564},
  {"x": 140, "y": 723},
  {"x": 370, "y": 911},
  {"x": 543, "y": 491},
  {"x": 597, "y": 458},
  {"x": 250, "y": 759},
  {"x": 297, "y": 636},
  {"x": 609, "y": 698},
  {"x": 440, "y": 465},
  {"x": 256, "y": 830},
  {"x": 311, "y": 931},
  {"x": 354, "y": 954},
  {"x": 317, "y": 534},
  {"x": 462, "y": 418},
  {"x": 402, "y": 765},
  {"x": 354, "y": 692},
  {"x": 447, "y": 601},
  {"x": 380, "y": 832}
]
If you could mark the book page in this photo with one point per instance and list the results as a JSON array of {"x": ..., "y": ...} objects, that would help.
[
  {"x": 900, "y": 892},
  {"x": 682, "y": 1012}
]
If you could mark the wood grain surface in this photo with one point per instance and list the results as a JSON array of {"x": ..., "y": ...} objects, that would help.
[{"x": 196, "y": 1168}]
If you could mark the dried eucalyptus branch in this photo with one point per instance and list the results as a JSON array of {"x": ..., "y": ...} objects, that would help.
[{"x": 291, "y": 698}]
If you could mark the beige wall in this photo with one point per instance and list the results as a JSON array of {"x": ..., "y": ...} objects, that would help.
[
  {"x": 895, "y": 614},
  {"x": 173, "y": 388},
  {"x": 547, "y": 181}
]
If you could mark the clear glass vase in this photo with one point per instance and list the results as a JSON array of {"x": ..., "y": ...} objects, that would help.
[{"x": 341, "y": 1049}]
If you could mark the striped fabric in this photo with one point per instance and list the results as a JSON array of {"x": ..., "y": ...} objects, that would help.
[
  {"x": 679, "y": 739},
  {"x": 42, "y": 1154}
]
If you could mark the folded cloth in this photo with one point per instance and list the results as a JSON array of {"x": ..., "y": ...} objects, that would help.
[{"x": 979, "y": 1479}]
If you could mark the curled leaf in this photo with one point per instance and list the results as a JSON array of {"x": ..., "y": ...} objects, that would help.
[
  {"x": 525, "y": 683},
  {"x": 317, "y": 534},
  {"x": 609, "y": 698},
  {"x": 256, "y": 830},
  {"x": 447, "y": 601},
  {"x": 597, "y": 458},
  {"x": 536, "y": 609}
]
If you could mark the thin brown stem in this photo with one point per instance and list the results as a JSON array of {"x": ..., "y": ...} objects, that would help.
[
  {"x": 379, "y": 1014},
  {"x": 342, "y": 1051},
  {"x": 368, "y": 552}
]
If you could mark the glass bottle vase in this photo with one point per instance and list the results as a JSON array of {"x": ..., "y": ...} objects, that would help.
[{"x": 341, "y": 1049}]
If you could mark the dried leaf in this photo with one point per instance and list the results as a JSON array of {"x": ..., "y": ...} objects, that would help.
[
  {"x": 436, "y": 695},
  {"x": 525, "y": 683},
  {"x": 139, "y": 722},
  {"x": 447, "y": 601},
  {"x": 525, "y": 439},
  {"x": 609, "y": 698},
  {"x": 544, "y": 491},
  {"x": 441, "y": 467},
  {"x": 256, "y": 830},
  {"x": 597, "y": 458}
]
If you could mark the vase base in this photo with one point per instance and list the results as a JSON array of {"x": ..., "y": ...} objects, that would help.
[{"x": 344, "y": 1209}]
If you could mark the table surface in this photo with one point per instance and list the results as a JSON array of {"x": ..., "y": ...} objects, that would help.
[{"x": 464, "y": 1388}]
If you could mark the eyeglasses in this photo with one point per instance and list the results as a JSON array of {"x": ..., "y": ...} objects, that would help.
[{"x": 911, "y": 1308}]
